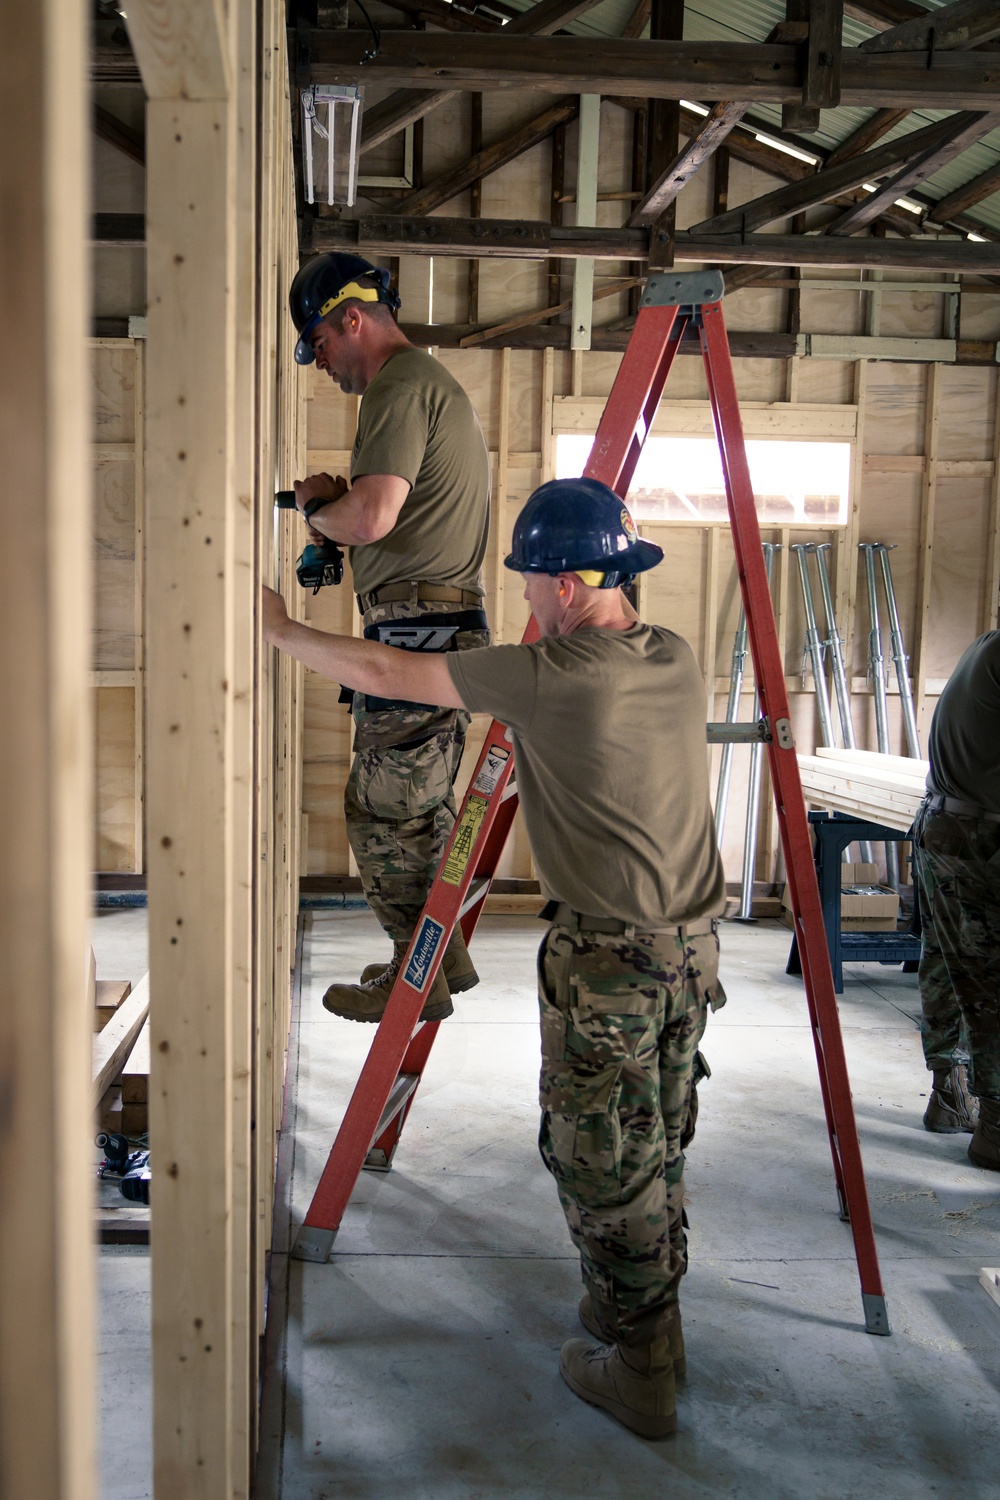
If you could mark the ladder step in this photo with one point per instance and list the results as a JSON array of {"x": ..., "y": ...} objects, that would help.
[
  {"x": 398, "y": 1095},
  {"x": 477, "y": 890}
]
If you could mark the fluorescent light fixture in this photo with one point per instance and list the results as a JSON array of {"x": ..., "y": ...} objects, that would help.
[
  {"x": 869, "y": 187},
  {"x": 769, "y": 140},
  {"x": 909, "y": 205},
  {"x": 979, "y": 238},
  {"x": 331, "y": 131},
  {"x": 699, "y": 109}
]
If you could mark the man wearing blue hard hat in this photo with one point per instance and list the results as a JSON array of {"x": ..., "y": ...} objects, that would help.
[
  {"x": 608, "y": 722},
  {"x": 416, "y": 518}
]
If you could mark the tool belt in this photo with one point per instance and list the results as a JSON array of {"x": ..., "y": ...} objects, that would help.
[
  {"x": 419, "y": 593},
  {"x": 424, "y": 633},
  {"x": 563, "y": 915},
  {"x": 935, "y": 802}
]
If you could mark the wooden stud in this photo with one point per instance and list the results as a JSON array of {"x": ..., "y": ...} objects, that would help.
[
  {"x": 500, "y": 496},
  {"x": 47, "y": 1409},
  {"x": 139, "y": 585},
  {"x": 475, "y": 198},
  {"x": 548, "y": 453},
  {"x": 710, "y": 614},
  {"x": 588, "y": 156}
]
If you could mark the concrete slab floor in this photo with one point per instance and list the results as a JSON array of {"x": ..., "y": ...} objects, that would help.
[{"x": 422, "y": 1359}]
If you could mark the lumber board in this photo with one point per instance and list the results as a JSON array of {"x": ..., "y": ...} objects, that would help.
[
  {"x": 989, "y": 1280},
  {"x": 902, "y": 765},
  {"x": 135, "y": 1073},
  {"x": 108, "y": 995},
  {"x": 113, "y": 1045},
  {"x": 894, "y": 803},
  {"x": 708, "y": 71},
  {"x": 531, "y": 239}
]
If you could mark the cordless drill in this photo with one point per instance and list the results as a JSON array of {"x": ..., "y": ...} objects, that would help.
[{"x": 317, "y": 567}]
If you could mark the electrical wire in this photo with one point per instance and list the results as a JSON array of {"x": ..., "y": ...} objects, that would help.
[{"x": 370, "y": 54}]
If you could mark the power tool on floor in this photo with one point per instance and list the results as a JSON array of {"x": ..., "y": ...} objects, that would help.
[{"x": 317, "y": 567}]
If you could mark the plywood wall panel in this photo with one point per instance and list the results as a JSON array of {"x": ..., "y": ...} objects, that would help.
[
  {"x": 957, "y": 578},
  {"x": 967, "y": 412},
  {"x": 914, "y": 315},
  {"x": 895, "y": 408},
  {"x": 113, "y": 367},
  {"x": 114, "y": 725}
]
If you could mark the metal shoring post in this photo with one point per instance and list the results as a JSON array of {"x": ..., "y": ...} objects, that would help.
[
  {"x": 835, "y": 646},
  {"x": 732, "y": 714},
  {"x": 753, "y": 790},
  {"x": 899, "y": 657},
  {"x": 876, "y": 667},
  {"x": 813, "y": 647}
]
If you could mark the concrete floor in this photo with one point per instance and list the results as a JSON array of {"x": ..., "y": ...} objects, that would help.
[{"x": 422, "y": 1359}]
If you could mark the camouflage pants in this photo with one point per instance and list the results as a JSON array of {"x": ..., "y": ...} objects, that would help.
[
  {"x": 399, "y": 802},
  {"x": 957, "y": 861},
  {"x": 621, "y": 1022}
]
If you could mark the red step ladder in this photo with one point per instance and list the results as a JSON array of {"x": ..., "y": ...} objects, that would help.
[{"x": 371, "y": 1129}]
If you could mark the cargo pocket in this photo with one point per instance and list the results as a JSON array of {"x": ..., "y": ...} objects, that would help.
[{"x": 405, "y": 781}]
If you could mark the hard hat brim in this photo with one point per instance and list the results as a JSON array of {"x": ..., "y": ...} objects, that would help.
[{"x": 638, "y": 558}]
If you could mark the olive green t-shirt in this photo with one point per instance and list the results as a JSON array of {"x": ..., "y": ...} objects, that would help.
[
  {"x": 611, "y": 766},
  {"x": 416, "y": 421},
  {"x": 964, "y": 748}
]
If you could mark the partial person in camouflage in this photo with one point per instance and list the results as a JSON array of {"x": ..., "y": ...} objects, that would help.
[
  {"x": 624, "y": 1018},
  {"x": 415, "y": 518},
  {"x": 627, "y": 857},
  {"x": 956, "y": 848}
]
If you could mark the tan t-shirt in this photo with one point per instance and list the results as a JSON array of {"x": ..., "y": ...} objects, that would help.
[
  {"x": 611, "y": 767},
  {"x": 416, "y": 421}
]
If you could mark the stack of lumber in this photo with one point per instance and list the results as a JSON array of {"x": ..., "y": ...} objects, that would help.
[
  {"x": 885, "y": 788},
  {"x": 114, "y": 1047}
]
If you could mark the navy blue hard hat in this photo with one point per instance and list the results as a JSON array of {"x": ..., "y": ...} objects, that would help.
[
  {"x": 327, "y": 280},
  {"x": 579, "y": 526}
]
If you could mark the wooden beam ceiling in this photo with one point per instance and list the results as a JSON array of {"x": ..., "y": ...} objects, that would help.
[
  {"x": 516, "y": 239},
  {"x": 963, "y": 24},
  {"x": 965, "y": 131},
  {"x": 768, "y": 72}
]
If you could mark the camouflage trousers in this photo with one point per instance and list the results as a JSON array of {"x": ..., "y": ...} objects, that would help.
[
  {"x": 621, "y": 1022},
  {"x": 399, "y": 802},
  {"x": 957, "y": 861}
]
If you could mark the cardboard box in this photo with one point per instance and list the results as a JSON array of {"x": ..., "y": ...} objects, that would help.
[{"x": 861, "y": 910}]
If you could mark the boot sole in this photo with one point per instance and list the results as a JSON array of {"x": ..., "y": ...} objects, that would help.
[
  {"x": 950, "y": 1129},
  {"x": 646, "y": 1427},
  {"x": 680, "y": 1365},
  {"x": 429, "y": 1013},
  {"x": 989, "y": 1164},
  {"x": 467, "y": 981}
]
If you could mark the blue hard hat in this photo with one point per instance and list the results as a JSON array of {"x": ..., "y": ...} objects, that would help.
[
  {"x": 579, "y": 526},
  {"x": 326, "y": 280}
]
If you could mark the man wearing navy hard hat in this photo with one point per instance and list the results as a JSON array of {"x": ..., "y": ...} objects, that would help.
[
  {"x": 608, "y": 717},
  {"x": 415, "y": 518}
]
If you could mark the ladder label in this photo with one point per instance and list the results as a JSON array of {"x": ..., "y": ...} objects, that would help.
[
  {"x": 425, "y": 945},
  {"x": 491, "y": 770},
  {"x": 466, "y": 834}
]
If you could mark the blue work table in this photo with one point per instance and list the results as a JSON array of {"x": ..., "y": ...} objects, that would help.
[{"x": 833, "y": 831}]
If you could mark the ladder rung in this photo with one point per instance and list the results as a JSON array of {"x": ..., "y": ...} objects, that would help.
[
  {"x": 476, "y": 891},
  {"x": 398, "y": 1095}
]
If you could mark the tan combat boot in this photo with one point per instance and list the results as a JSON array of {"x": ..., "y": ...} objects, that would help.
[
  {"x": 635, "y": 1385},
  {"x": 675, "y": 1337},
  {"x": 984, "y": 1148},
  {"x": 951, "y": 1108},
  {"x": 367, "y": 1001},
  {"x": 457, "y": 965}
]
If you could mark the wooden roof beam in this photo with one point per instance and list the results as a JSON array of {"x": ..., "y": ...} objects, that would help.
[
  {"x": 107, "y": 127},
  {"x": 489, "y": 159},
  {"x": 519, "y": 239},
  {"x": 966, "y": 130},
  {"x": 769, "y": 72},
  {"x": 883, "y": 13},
  {"x": 827, "y": 183},
  {"x": 963, "y": 24},
  {"x": 699, "y": 147},
  {"x": 964, "y": 197},
  {"x": 407, "y": 105}
]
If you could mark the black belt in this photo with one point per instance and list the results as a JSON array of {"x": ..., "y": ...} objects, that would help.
[
  {"x": 936, "y": 802},
  {"x": 562, "y": 915},
  {"x": 419, "y": 593}
]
